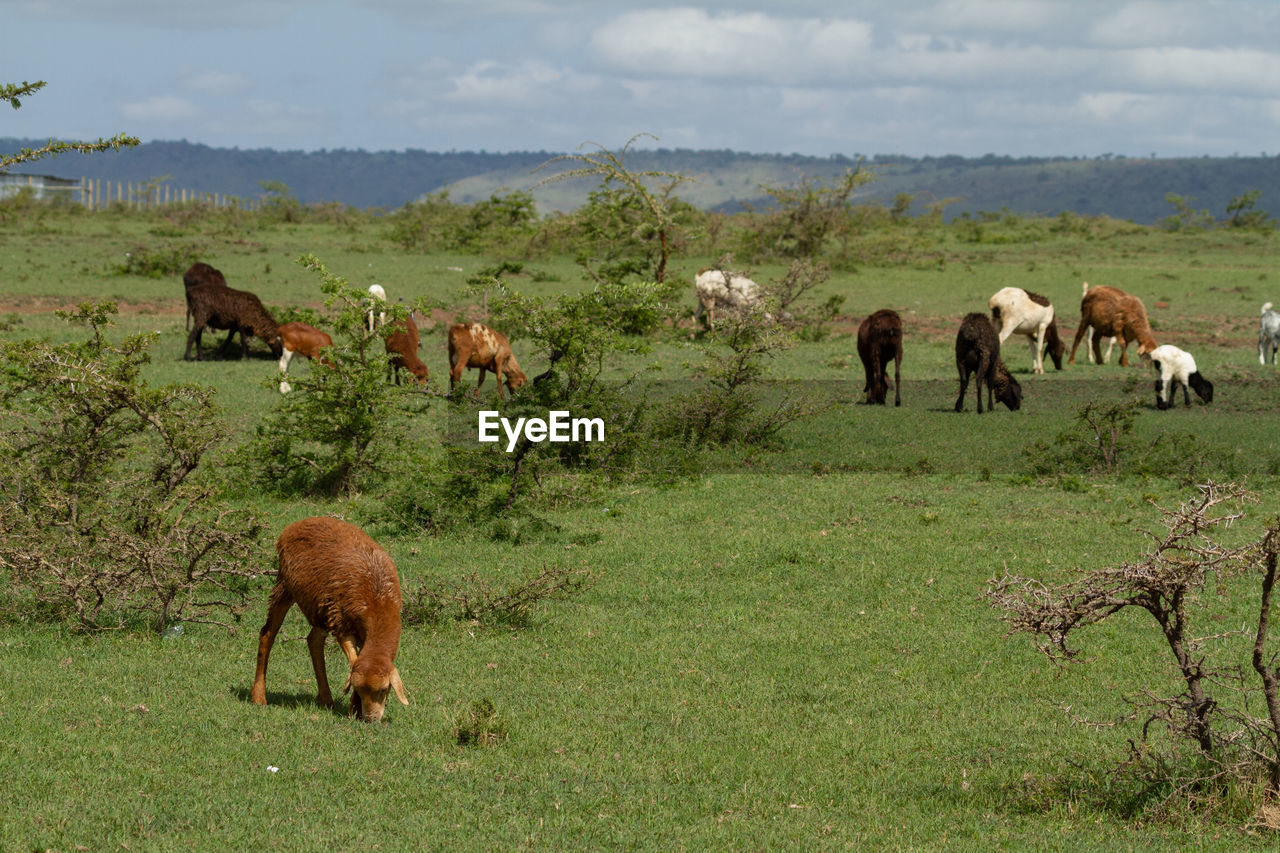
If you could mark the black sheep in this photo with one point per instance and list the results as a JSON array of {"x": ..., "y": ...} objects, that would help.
[{"x": 978, "y": 352}]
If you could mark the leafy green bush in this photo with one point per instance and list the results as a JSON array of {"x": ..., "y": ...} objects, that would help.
[
  {"x": 337, "y": 427},
  {"x": 102, "y": 520},
  {"x": 158, "y": 263}
]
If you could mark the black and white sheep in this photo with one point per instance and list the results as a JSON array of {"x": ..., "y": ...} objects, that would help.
[
  {"x": 227, "y": 308},
  {"x": 1268, "y": 334},
  {"x": 1177, "y": 367},
  {"x": 978, "y": 354}
]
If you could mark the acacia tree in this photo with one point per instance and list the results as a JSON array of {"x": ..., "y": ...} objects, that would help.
[
  {"x": 13, "y": 93},
  {"x": 1185, "y": 566},
  {"x": 632, "y": 216}
]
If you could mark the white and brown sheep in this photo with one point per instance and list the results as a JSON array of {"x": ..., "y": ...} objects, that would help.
[
  {"x": 402, "y": 345},
  {"x": 298, "y": 338},
  {"x": 1110, "y": 312},
  {"x": 220, "y": 307},
  {"x": 346, "y": 585},
  {"x": 879, "y": 342},
  {"x": 719, "y": 290},
  {"x": 978, "y": 354},
  {"x": 197, "y": 274},
  {"x": 1020, "y": 312},
  {"x": 477, "y": 345},
  {"x": 1268, "y": 334},
  {"x": 1177, "y": 367}
]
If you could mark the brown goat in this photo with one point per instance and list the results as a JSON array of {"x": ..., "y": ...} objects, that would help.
[
  {"x": 219, "y": 307},
  {"x": 476, "y": 345},
  {"x": 879, "y": 342},
  {"x": 1111, "y": 313},
  {"x": 402, "y": 346},
  {"x": 978, "y": 352},
  {"x": 300, "y": 339},
  {"x": 345, "y": 584},
  {"x": 197, "y": 274}
]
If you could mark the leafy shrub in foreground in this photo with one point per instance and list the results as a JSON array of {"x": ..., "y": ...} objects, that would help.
[{"x": 101, "y": 519}]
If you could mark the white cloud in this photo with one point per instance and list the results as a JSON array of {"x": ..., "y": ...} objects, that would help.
[
  {"x": 750, "y": 46},
  {"x": 159, "y": 108},
  {"x": 1228, "y": 70},
  {"x": 490, "y": 82}
]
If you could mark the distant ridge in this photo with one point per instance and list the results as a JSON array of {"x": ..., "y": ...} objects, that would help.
[{"x": 1124, "y": 188}]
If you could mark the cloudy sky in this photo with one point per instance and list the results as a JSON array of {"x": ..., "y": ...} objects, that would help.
[{"x": 971, "y": 77}]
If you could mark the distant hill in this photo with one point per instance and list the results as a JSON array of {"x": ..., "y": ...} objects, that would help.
[{"x": 1124, "y": 188}]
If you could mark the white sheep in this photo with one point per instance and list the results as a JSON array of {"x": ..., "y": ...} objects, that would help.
[
  {"x": 1268, "y": 334},
  {"x": 371, "y": 322},
  {"x": 717, "y": 289},
  {"x": 1018, "y": 311},
  {"x": 1176, "y": 366}
]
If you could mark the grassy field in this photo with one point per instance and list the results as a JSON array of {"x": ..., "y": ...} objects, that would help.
[{"x": 785, "y": 651}]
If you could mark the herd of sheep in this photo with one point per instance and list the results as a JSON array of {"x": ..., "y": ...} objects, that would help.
[
  {"x": 211, "y": 304},
  {"x": 347, "y": 585}
]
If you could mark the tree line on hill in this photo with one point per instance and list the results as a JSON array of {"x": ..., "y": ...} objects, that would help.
[{"x": 1121, "y": 187}]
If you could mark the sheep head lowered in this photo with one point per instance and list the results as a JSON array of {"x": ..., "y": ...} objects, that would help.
[{"x": 345, "y": 584}]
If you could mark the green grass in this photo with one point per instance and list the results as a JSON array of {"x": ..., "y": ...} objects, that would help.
[{"x": 785, "y": 652}]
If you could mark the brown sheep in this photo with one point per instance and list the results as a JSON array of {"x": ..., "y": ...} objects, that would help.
[
  {"x": 197, "y": 274},
  {"x": 237, "y": 310},
  {"x": 879, "y": 342},
  {"x": 345, "y": 584},
  {"x": 402, "y": 346},
  {"x": 476, "y": 345},
  {"x": 978, "y": 352},
  {"x": 1108, "y": 312},
  {"x": 300, "y": 339}
]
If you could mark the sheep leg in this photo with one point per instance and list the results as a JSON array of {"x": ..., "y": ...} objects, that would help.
[
  {"x": 222, "y": 350},
  {"x": 897, "y": 381},
  {"x": 315, "y": 645},
  {"x": 1124, "y": 350},
  {"x": 1186, "y": 397},
  {"x": 481, "y": 382},
  {"x": 984, "y": 375},
  {"x": 277, "y": 606},
  {"x": 1080, "y": 330},
  {"x": 1097, "y": 350},
  {"x": 285, "y": 357},
  {"x": 1037, "y": 357},
  {"x": 964, "y": 386},
  {"x": 349, "y": 649},
  {"x": 194, "y": 338}
]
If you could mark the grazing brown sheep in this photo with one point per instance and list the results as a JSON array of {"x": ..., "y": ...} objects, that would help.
[
  {"x": 978, "y": 353},
  {"x": 402, "y": 346},
  {"x": 346, "y": 585},
  {"x": 879, "y": 342},
  {"x": 300, "y": 339},
  {"x": 476, "y": 345},
  {"x": 1109, "y": 312},
  {"x": 197, "y": 274},
  {"x": 219, "y": 307}
]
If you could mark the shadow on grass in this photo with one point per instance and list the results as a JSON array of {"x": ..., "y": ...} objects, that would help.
[{"x": 296, "y": 699}]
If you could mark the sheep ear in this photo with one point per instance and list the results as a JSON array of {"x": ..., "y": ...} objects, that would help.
[
  {"x": 398, "y": 686},
  {"x": 346, "y": 688}
]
